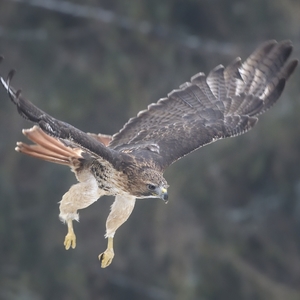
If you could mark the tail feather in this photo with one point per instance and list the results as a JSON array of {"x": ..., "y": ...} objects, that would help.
[
  {"x": 39, "y": 152},
  {"x": 48, "y": 148}
]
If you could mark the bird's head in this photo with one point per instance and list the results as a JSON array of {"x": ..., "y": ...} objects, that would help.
[{"x": 149, "y": 183}]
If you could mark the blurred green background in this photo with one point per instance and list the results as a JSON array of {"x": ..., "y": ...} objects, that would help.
[{"x": 231, "y": 229}]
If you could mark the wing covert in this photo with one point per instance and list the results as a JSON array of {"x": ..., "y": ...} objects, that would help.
[{"x": 223, "y": 104}]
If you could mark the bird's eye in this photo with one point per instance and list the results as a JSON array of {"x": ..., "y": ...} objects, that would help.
[{"x": 151, "y": 187}]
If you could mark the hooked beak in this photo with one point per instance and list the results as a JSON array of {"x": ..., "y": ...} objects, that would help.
[{"x": 163, "y": 194}]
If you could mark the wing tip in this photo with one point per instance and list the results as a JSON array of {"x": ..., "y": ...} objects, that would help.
[{"x": 291, "y": 68}]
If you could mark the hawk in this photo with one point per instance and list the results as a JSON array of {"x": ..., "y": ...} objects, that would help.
[{"x": 130, "y": 164}]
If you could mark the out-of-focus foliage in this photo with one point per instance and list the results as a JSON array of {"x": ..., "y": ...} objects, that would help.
[{"x": 231, "y": 229}]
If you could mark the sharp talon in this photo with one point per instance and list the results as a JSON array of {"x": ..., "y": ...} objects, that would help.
[
  {"x": 106, "y": 258},
  {"x": 70, "y": 241}
]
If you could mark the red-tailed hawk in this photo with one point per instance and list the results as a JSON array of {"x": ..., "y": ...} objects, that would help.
[{"x": 130, "y": 164}]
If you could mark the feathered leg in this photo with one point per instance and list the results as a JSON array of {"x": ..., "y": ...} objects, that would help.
[
  {"x": 120, "y": 212},
  {"x": 79, "y": 196}
]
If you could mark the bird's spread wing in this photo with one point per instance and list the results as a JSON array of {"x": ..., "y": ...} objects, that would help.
[
  {"x": 223, "y": 104},
  {"x": 64, "y": 136}
]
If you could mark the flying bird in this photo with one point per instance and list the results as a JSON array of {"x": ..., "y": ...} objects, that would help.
[{"x": 130, "y": 164}]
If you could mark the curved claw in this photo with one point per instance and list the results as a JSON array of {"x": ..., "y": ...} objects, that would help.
[
  {"x": 106, "y": 258},
  {"x": 1, "y": 58},
  {"x": 70, "y": 240}
]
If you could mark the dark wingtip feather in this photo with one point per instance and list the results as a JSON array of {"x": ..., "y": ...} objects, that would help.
[
  {"x": 287, "y": 51},
  {"x": 291, "y": 68},
  {"x": 10, "y": 76},
  {"x": 281, "y": 85},
  {"x": 266, "y": 47},
  {"x": 18, "y": 93},
  {"x": 274, "y": 96}
]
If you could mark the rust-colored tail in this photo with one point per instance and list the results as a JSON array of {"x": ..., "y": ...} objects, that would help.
[{"x": 47, "y": 148}]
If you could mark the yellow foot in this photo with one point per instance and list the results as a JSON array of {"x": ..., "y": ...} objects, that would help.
[
  {"x": 70, "y": 240},
  {"x": 106, "y": 257}
]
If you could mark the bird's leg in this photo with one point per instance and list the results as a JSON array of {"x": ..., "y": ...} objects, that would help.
[
  {"x": 120, "y": 211},
  {"x": 79, "y": 196},
  {"x": 107, "y": 256},
  {"x": 70, "y": 239}
]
